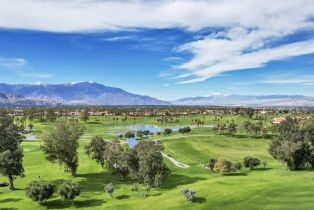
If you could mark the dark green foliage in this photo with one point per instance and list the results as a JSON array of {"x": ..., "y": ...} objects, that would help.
[
  {"x": 223, "y": 166},
  {"x": 69, "y": 190},
  {"x": 236, "y": 166},
  {"x": 30, "y": 126},
  {"x": 211, "y": 163},
  {"x": 141, "y": 133},
  {"x": 249, "y": 112},
  {"x": 185, "y": 130},
  {"x": 293, "y": 145},
  {"x": 61, "y": 144},
  {"x": 135, "y": 188},
  {"x": 40, "y": 191},
  {"x": 189, "y": 195},
  {"x": 232, "y": 128},
  {"x": 129, "y": 134},
  {"x": 51, "y": 115},
  {"x": 109, "y": 188},
  {"x": 96, "y": 150},
  {"x": 167, "y": 131},
  {"x": 116, "y": 158},
  {"x": 11, "y": 154},
  {"x": 84, "y": 115},
  {"x": 251, "y": 162},
  {"x": 150, "y": 166}
]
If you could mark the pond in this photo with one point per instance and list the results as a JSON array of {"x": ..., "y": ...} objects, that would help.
[
  {"x": 132, "y": 142},
  {"x": 121, "y": 130},
  {"x": 154, "y": 128}
]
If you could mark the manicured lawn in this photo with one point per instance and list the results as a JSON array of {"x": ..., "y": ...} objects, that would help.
[{"x": 273, "y": 188}]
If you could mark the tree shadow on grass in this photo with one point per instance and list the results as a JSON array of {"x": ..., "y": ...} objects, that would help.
[
  {"x": 121, "y": 197},
  {"x": 236, "y": 174},
  {"x": 174, "y": 180},
  {"x": 7, "y": 200},
  {"x": 57, "y": 204},
  {"x": 95, "y": 182},
  {"x": 60, "y": 204},
  {"x": 89, "y": 203},
  {"x": 262, "y": 169},
  {"x": 199, "y": 200},
  {"x": 8, "y": 209}
]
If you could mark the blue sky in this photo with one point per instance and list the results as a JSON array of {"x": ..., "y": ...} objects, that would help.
[{"x": 168, "y": 50}]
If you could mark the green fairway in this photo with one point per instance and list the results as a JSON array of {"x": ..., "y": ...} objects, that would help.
[{"x": 272, "y": 188}]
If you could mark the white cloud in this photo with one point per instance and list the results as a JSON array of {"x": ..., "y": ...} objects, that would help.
[
  {"x": 12, "y": 62},
  {"x": 21, "y": 67},
  {"x": 303, "y": 80},
  {"x": 118, "y": 38},
  {"x": 247, "y": 32}
]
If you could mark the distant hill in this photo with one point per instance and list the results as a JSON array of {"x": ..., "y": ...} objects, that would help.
[
  {"x": 14, "y": 100},
  {"x": 81, "y": 93},
  {"x": 253, "y": 101}
]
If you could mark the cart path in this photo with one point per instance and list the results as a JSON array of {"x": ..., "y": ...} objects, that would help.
[{"x": 175, "y": 162}]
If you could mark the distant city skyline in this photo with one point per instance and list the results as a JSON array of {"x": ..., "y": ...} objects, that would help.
[{"x": 164, "y": 49}]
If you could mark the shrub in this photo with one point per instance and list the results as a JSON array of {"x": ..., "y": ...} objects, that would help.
[
  {"x": 223, "y": 166},
  {"x": 167, "y": 131},
  {"x": 190, "y": 195},
  {"x": 40, "y": 191},
  {"x": 236, "y": 166},
  {"x": 185, "y": 130},
  {"x": 129, "y": 134},
  {"x": 69, "y": 190},
  {"x": 109, "y": 188},
  {"x": 211, "y": 163},
  {"x": 251, "y": 162},
  {"x": 264, "y": 163}
]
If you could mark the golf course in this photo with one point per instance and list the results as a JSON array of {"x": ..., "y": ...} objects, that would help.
[{"x": 271, "y": 186}]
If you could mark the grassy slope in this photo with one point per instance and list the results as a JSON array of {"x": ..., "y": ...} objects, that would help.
[{"x": 275, "y": 188}]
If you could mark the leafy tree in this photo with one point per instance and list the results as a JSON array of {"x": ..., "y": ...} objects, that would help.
[
  {"x": 221, "y": 128},
  {"x": 109, "y": 188},
  {"x": 30, "y": 126},
  {"x": 40, "y": 191},
  {"x": 232, "y": 128},
  {"x": 116, "y": 158},
  {"x": 84, "y": 115},
  {"x": 11, "y": 154},
  {"x": 96, "y": 150},
  {"x": 185, "y": 130},
  {"x": 264, "y": 163},
  {"x": 189, "y": 195},
  {"x": 167, "y": 131},
  {"x": 51, "y": 115},
  {"x": 247, "y": 125},
  {"x": 251, "y": 162},
  {"x": 223, "y": 166},
  {"x": 211, "y": 163},
  {"x": 236, "y": 166},
  {"x": 31, "y": 114},
  {"x": 292, "y": 145},
  {"x": 129, "y": 134},
  {"x": 61, "y": 144},
  {"x": 150, "y": 166},
  {"x": 250, "y": 112},
  {"x": 69, "y": 190}
]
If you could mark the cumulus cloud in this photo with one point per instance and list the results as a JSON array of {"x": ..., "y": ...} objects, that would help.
[{"x": 246, "y": 34}]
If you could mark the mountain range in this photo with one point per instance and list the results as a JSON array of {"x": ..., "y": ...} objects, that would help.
[
  {"x": 75, "y": 93},
  {"x": 92, "y": 93},
  {"x": 250, "y": 101}
]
